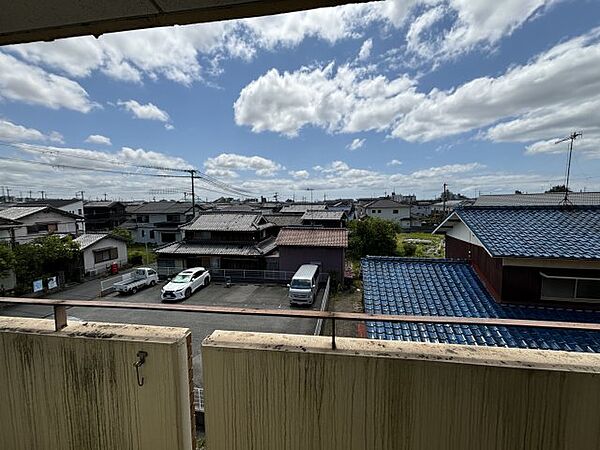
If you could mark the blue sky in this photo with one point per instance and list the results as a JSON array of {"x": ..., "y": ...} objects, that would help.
[{"x": 350, "y": 101}]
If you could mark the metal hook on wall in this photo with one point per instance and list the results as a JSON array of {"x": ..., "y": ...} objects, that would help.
[{"x": 139, "y": 363}]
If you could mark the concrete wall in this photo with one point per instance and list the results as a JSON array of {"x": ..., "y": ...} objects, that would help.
[
  {"x": 77, "y": 388},
  {"x": 88, "y": 254},
  {"x": 273, "y": 391}
]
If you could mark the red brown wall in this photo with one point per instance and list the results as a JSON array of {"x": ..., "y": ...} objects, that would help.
[{"x": 332, "y": 259}]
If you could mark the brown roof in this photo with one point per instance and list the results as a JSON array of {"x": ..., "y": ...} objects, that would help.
[{"x": 313, "y": 237}]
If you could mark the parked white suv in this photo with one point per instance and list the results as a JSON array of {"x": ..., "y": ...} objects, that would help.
[{"x": 185, "y": 284}]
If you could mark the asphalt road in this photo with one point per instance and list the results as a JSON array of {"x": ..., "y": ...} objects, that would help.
[{"x": 201, "y": 325}]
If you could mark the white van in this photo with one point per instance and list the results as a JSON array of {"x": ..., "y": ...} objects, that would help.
[{"x": 304, "y": 285}]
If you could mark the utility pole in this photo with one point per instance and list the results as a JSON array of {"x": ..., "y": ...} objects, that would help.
[
  {"x": 80, "y": 192},
  {"x": 192, "y": 173},
  {"x": 571, "y": 138},
  {"x": 105, "y": 196},
  {"x": 30, "y": 196},
  {"x": 42, "y": 193},
  {"x": 8, "y": 194},
  {"x": 444, "y": 199}
]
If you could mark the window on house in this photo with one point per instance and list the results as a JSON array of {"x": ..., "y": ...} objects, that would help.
[
  {"x": 106, "y": 254},
  {"x": 42, "y": 228},
  {"x": 372, "y": 211},
  {"x": 167, "y": 237},
  {"x": 204, "y": 235},
  {"x": 378, "y": 211},
  {"x": 79, "y": 211},
  {"x": 395, "y": 211},
  {"x": 570, "y": 288},
  {"x": 173, "y": 218},
  {"x": 151, "y": 234},
  {"x": 143, "y": 233}
]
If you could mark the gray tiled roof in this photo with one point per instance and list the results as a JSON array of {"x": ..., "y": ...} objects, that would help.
[
  {"x": 313, "y": 237},
  {"x": 284, "y": 220},
  {"x": 161, "y": 207},
  {"x": 85, "y": 240},
  {"x": 536, "y": 232},
  {"x": 323, "y": 215},
  {"x": 399, "y": 286},
  {"x": 189, "y": 248},
  {"x": 386, "y": 203},
  {"x": 302, "y": 208},
  {"x": 18, "y": 212},
  {"x": 540, "y": 199},
  {"x": 227, "y": 222}
]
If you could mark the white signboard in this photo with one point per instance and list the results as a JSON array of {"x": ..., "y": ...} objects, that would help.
[{"x": 52, "y": 284}]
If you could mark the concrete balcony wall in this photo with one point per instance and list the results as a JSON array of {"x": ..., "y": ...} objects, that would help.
[
  {"x": 273, "y": 391},
  {"x": 77, "y": 388}
]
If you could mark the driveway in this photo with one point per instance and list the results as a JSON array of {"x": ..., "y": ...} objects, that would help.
[{"x": 201, "y": 325}]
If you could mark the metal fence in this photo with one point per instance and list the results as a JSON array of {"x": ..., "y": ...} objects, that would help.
[
  {"x": 324, "y": 305},
  {"x": 258, "y": 276}
]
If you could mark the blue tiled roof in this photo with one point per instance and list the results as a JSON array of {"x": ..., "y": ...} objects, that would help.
[
  {"x": 451, "y": 288},
  {"x": 536, "y": 232}
]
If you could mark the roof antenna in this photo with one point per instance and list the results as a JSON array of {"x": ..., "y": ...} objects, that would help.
[{"x": 571, "y": 138}]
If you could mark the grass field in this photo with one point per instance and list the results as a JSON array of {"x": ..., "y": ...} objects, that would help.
[{"x": 426, "y": 245}]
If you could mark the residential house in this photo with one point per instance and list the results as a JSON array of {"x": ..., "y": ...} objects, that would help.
[
  {"x": 283, "y": 220},
  {"x": 72, "y": 205},
  {"x": 533, "y": 255},
  {"x": 7, "y": 230},
  {"x": 442, "y": 287},
  {"x": 158, "y": 222},
  {"x": 37, "y": 221},
  {"x": 100, "y": 251},
  {"x": 388, "y": 209},
  {"x": 103, "y": 215},
  {"x": 323, "y": 218},
  {"x": 307, "y": 245},
  {"x": 345, "y": 205},
  {"x": 447, "y": 206},
  {"x": 219, "y": 240}
]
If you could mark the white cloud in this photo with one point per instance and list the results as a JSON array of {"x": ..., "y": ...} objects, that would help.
[
  {"x": 98, "y": 139},
  {"x": 365, "y": 50},
  {"x": 446, "y": 170},
  {"x": 356, "y": 144},
  {"x": 226, "y": 164},
  {"x": 394, "y": 162},
  {"x": 148, "y": 111},
  {"x": 29, "y": 84},
  {"x": 346, "y": 99},
  {"x": 299, "y": 174},
  {"x": 169, "y": 126},
  {"x": 18, "y": 133}
]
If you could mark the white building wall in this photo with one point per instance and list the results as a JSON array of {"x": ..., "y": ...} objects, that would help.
[
  {"x": 65, "y": 225},
  {"x": 88, "y": 255},
  {"x": 461, "y": 232},
  {"x": 388, "y": 213}
]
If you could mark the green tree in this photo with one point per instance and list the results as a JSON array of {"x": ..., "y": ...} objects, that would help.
[
  {"x": 7, "y": 259},
  {"x": 372, "y": 236},
  {"x": 122, "y": 233},
  {"x": 558, "y": 188}
]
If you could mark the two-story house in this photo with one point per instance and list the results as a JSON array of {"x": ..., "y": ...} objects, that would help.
[
  {"x": 388, "y": 209},
  {"x": 159, "y": 222},
  {"x": 71, "y": 205},
  {"x": 103, "y": 215},
  {"x": 38, "y": 221},
  {"x": 220, "y": 240}
]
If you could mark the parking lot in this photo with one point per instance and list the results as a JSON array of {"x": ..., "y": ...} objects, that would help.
[{"x": 201, "y": 325}]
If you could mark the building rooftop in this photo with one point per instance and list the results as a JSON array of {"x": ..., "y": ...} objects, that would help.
[
  {"x": 536, "y": 232},
  {"x": 452, "y": 288},
  {"x": 313, "y": 237},
  {"x": 284, "y": 220},
  {"x": 323, "y": 215},
  {"x": 88, "y": 239},
  {"x": 160, "y": 207},
  {"x": 539, "y": 199},
  {"x": 56, "y": 202},
  {"x": 18, "y": 212},
  {"x": 101, "y": 204},
  {"x": 222, "y": 221},
  {"x": 186, "y": 248},
  {"x": 299, "y": 208},
  {"x": 386, "y": 203}
]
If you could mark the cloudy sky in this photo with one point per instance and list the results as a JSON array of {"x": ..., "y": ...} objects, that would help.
[{"x": 355, "y": 101}]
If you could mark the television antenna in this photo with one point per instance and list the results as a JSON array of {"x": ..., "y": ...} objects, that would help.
[{"x": 571, "y": 138}]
